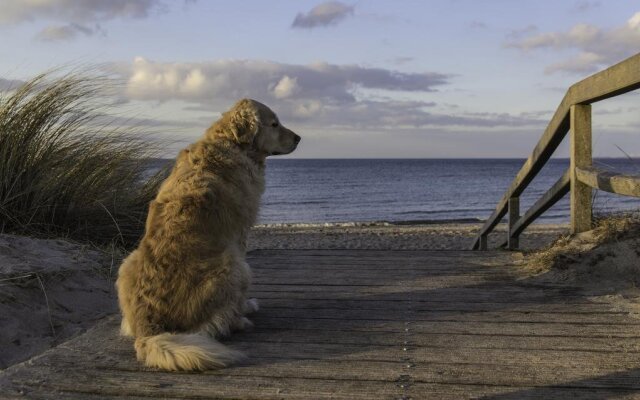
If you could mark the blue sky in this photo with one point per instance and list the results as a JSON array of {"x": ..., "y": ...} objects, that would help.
[{"x": 456, "y": 78}]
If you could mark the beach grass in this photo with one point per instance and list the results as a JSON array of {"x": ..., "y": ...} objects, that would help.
[{"x": 66, "y": 168}]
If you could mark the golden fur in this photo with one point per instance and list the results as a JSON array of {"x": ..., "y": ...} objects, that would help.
[{"x": 186, "y": 282}]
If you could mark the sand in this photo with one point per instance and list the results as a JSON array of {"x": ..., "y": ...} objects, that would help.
[
  {"x": 391, "y": 237},
  {"x": 604, "y": 263},
  {"x": 51, "y": 290}
]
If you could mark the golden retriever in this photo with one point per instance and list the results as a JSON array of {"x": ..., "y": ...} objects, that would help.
[{"x": 186, "y": 283}]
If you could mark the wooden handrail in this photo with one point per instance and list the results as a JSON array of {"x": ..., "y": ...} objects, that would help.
[
  {"x": 551, "y": 197},
  {"x": 626, "y": 185},
  {"x": 613, "y": 81}
]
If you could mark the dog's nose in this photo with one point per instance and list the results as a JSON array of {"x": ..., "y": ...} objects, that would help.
[{"x": 297, "y": 139}]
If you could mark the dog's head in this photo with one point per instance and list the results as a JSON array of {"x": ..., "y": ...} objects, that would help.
[{"x": 253, "y": 124}]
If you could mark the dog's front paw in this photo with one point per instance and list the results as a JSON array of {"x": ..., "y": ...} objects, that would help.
[
  {"x": 251, "y": 306},
  {"x": 244, "y": 324},
  {"x": 218, "y": 328}
]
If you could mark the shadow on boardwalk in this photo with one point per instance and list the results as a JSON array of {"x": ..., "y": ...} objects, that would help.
[{"x": 378, "y": 324}]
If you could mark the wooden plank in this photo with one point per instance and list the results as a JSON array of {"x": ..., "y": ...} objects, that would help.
[
  {"x": 489, "y": 392},
  {"x": 618, "y": 79},
  {"x": 496, "y": 328},
  {"x": 627, "y": 345},
  {"x": 478, "y": 294},
  {"x": 580, "y": 150},
  {"x": 309, "y": 362},
  {"x": 125, "y": 384},
  {"x": 551, "y": 197},
  {"x": 383, "y": 279},
  {"x": 568, "y": 375},
  {"x": 584, "y": 307},
  {"x": 615, "y": 80},
  {"x": 504, "y": 315},
  {"x": 626, "y": 185}
]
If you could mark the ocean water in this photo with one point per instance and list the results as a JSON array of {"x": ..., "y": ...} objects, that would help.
[{"x": 413, "y": 190}]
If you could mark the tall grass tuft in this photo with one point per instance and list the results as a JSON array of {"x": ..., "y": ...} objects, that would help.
[{"x": 66, "y": 169}]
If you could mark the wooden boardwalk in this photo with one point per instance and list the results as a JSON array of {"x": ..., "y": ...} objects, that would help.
[{"x": 376, "y": 325}]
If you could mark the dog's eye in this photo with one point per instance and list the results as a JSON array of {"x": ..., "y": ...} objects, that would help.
[{"x": 274, "y": 124}]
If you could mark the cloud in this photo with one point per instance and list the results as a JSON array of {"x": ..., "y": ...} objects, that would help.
[
  {"x": 65, "y": 32},
  {"x": 401, "y": 60},
  {"x": 79, "y": 17},
  {"x": 16, "y": 11},
  {"x": 584, "y": 63},
  {"x": 267, "y": 80},
  {"x": 287, "y": 87},
  {"x": 479, "y": 25},
  {"x": 324, "y": 14},
  {"x": 522, "y": 32},
  {"x": 586, "y": 5},
  {"x": 319, "y": 95},
  {"x": 596, "y": 47}
]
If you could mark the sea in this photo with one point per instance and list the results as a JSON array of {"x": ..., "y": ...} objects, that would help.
[{"x": 414, "y": 191}]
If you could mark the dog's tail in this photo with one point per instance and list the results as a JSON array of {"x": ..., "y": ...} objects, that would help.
[{"x": 184, "y": 352}]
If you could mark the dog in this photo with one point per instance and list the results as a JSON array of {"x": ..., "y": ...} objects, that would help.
[{"x": 186, "y": 283}]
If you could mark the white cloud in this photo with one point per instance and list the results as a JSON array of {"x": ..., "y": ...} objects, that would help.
[
  {"x": 318, "y": 95},
  {"x": 287, "y": 87},
  {"x": 15, "y": 11},
  {"x": 65, "y": 32},
  {"x": 583, "y": 63},
  {"x": 596, "y": 47},
  {"x": 586, "y": 5},
  {"x": 78, "y": 17},
  {"x": 517, "y": 34},
  {"x": 266, "y": 79},
  {"x": 324, "y": 14},
  {"x": 307, "y": 109},
  {"x": 634, "y": 22}
]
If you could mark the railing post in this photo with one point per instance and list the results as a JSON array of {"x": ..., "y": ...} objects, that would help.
[
  {"x": 483, "y": 242},
  {"x": 580, "y": 144},
  {"x": 514, "y": 215}
]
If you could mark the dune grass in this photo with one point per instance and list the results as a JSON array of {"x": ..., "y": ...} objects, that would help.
[
  {"x": 66, "y": 169},
  {"x": 570, "y": 249}
]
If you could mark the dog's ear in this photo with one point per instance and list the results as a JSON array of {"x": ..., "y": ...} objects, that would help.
[{"x": 243, "y": 121}]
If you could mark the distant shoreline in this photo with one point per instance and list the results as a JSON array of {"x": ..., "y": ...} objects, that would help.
[
  {"x": 365, "y": 224},
  {"x": 434, "y": 235},
  {"x": 351, "y": 224}
]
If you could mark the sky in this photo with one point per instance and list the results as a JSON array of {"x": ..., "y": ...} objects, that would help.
[{"x": 360, "y": 79}]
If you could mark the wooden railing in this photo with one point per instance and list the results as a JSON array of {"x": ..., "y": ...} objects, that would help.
[{"x": 572, "y": 115}]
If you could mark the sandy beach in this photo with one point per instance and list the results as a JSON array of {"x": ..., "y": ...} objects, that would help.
[{"x": 453, "y": 236}]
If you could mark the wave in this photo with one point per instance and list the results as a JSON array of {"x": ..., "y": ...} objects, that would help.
[
  {"x": 445, "y": 211},
  {"x": 353, "y": 224},
  {"x": 295, "y": 202}
]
